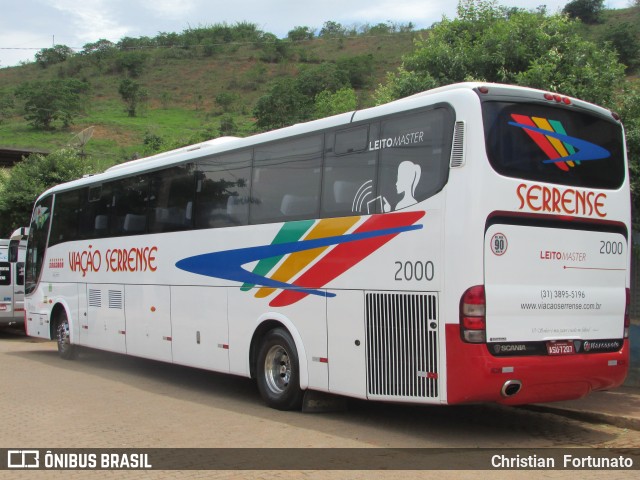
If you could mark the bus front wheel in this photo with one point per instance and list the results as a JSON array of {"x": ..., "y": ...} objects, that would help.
[
  {"x": 65, "y": 349},
  {"x": 278, "y": 371}
]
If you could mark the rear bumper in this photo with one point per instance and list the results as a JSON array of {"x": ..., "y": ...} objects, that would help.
[{"x": 474, "y": 375}]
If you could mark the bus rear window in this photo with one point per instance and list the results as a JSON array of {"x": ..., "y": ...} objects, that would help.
[{"x": 554, "y": 145}]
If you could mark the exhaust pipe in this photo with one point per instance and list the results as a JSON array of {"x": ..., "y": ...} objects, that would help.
[{"x": 511, "y": 388}]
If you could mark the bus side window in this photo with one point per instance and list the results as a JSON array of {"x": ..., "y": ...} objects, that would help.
[
  {"x": 414, "y": 165},
  {"x": 86, "y": 221},
  {"x": 66, "y": 209},
  {"x": 286, "y": 180},
  {"x": 128, "y": 214},
  {"x": 171, "y": 199},
  {"x": 222, "y": 190},
  {"x": 348, "y": 185},
  {"x": 94, "y": 214}
]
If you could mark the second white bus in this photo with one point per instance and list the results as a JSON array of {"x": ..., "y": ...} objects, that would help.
[{"x": 12, "y": 256}]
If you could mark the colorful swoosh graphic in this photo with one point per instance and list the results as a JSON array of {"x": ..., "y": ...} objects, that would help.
[
  {"x": 551, "y": 137},
  {"x": 300, "y": 244}
]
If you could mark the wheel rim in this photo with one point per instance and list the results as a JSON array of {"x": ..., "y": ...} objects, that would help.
[
  {"x": 277, "y": 369},
  {"x": 63, "y": 336}
]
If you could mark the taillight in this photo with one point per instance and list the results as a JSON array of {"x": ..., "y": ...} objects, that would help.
[
  {"x": 473, "y": 323},
  {"x": 627, "y": 316},
  {"x": 554, "y": 97}
]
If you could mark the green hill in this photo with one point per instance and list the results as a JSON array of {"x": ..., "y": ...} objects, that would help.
[
  {"x": 203, "y": 77},
  {"x": 183, "y": 84}
]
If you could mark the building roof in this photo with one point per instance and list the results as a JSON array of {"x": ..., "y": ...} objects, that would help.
[{"x": 10, "y": 156}]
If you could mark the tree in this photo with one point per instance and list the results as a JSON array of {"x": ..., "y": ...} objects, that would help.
[
  {"x": 46, "y": 102},
  {"x": 274, "y": 50},
  {"x": 292, "y": 100},
  {"x": 332, "y": 29},
  {"x": 328, "y": 103},
  {"x": 100, "y": 52},
  {"x": 29, "y": 178},
  {"x": 624, "y": 38},
  {"x": 299, "y": 34},
  {"x": 101, "y": 46},
  {"x": 403, "y": 83},
  {"x": 6, "y": 106},
  {"x": 133, "y": 94},
  {"x": 311, "y": 80},
  {"x": 358, "y": 69},
  {"x": 495, "y": 44},
  {"x": 628, "y": 106},
  {"x": 131, "y": 62},
  {"x": 50, "y": 56},
  {"x": 586, "y": 10},
  {"x": 578, "y": 68},
  {"x": 282, "y": 106}
]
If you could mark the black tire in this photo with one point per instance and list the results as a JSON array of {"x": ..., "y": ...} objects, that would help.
[
  {"x": 65, "y": 349},
  {"x": 278, "y": 371}
]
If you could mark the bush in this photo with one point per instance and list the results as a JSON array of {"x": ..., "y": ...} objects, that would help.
[
  {"x": 226, "y": 100},
  {"x": 358, "y": 69},
  {"x": 228, "y": 126},
  {"x": 282, "y": 106},
  {"x": 328, "y": 103},
  {"x": 493, "y": 44},
  {"x": 29, "y": 178},
  {"x": 314, "y": 79}
]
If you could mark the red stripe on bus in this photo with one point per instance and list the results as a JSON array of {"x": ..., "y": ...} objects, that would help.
[
  {"x": 346, "y": 255},
  {"x": 540, "y": 140}
]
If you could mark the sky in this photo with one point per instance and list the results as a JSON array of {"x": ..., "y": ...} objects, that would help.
[{"x": 27, "y": 26}]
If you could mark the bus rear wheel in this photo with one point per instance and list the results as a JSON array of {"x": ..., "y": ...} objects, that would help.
[
  {"x": 278, "y": 371},
  {"x": 65, "y": 349}
]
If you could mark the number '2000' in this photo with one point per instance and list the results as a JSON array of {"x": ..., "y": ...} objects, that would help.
[
  {"x": 408, "y": 271},
  {"x": 611, "y": 248}
]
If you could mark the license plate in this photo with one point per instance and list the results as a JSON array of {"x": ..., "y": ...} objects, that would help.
[{"x": 560, "y": 348}]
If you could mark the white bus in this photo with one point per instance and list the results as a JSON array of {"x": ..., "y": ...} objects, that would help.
[
  {"x": 469, "y": 243},
  {"x": 12, "y": 256}
]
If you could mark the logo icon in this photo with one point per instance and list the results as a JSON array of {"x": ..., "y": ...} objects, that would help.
[
  {"x": 550, "y": 135},
  {"x": 23, "y": 459},
  {"x": 40, "y": 216},
  {"x": 304, "y": 255}
]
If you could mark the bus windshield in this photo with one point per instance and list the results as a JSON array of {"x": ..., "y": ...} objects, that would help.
[
  {"x": 554, "y": 144},
  {"x": 37, "y": 242}
]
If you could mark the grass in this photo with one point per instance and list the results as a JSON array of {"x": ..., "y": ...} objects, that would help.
[
  {"x": 182, "y": 89},
  {"x": 183, "y": 85}
]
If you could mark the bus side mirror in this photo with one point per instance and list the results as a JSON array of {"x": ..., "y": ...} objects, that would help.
[{"x": 13, "y": 250}]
